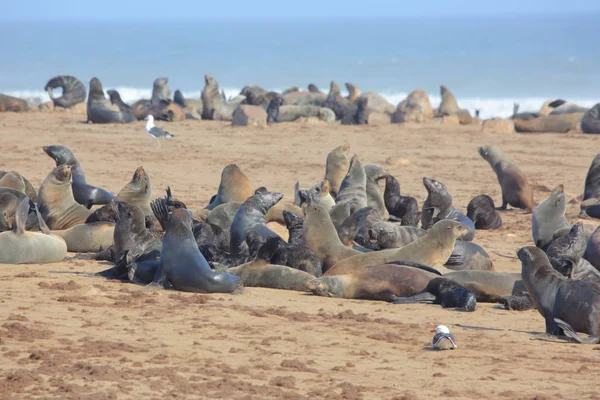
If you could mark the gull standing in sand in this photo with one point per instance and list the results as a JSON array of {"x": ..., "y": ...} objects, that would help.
[
  {"x": 156, "y": 132},
  {"x": 443, "y": 339}
]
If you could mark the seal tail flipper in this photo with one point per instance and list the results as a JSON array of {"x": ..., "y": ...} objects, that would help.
[
  {"x": 570, "y": 332},
  {"x": 425, "y": 297},
  {"x": 297, "y": 200},
  {"x": 161, "y": 212}
]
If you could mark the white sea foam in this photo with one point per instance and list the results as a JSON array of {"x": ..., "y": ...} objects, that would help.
[{"x": 490, "y": 107}]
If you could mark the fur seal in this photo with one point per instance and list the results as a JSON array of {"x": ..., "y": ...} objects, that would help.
[
  {"x": 160, "y": 91},
  {"x": 10, "y": 199},
  {"x": 84, "y": 194},
  {"x": 516, "y": 190},
  {"x": 489, "y": 286},
  {"x": 336, "y": 167},
  {"x": 99, "y": 110},
  {"x": 183, "y": 266},
  {"x": 87, "y": 238},
  {"x": 565, "y": 304},
  {"x": 278, "y": 112},
  {"x": 592, "y": 180},
  {"x": 234, "y": 186},
  {"x": 295, "y": 254},
  {"x": 319, "y": 193},
  {"x": 518, "y": 302},
  {"x": 590, "y": 123},
  {"x": 386, "y": 282},
  {"x": 14, "y": 180},
  {"x": 482, "y": 212},
  {"x": 376, "y": 233},
  {"x": 9, "y": 103},
  {"x": 548, "y": 123},
  {"x": 549, "y": 217},
  {"x": 405, "y": 208},
  {"x": 438, "y": 199},
  {"x": 336, "y": 101},
  {"x": 251, "y": 216},
  {"x": 433, "y": 249},
  {"x": 374, "y": 196},
  {"x": 449, "y": 106},
  {"x": 565, "y": 252},
  {"x": 445, "y": 292},
  {"x": 468, "y": 255},
  {"x": 592, "y": 250},
  {"x": 19, "y": 246},
  {"x": 73, "y": 91},
  {"x": 138, "y": 191},
  {"x": 222, "y": 215},
  {"x": 352, "y": 194},
  {"x": 56, "y": 202},
  {"x": 259, "y": 272},
  {"x": 192, "y": 108},
  {"x": 322, "y": 237},
  {"x": 214, "y": 105}
]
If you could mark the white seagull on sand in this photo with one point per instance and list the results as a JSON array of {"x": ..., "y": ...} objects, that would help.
[
  {"x": 443, "y": 339},
  {"x": 154, "y": 131}
]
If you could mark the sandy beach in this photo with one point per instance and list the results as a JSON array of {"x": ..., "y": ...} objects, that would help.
[{"x": 68, "y": 336}]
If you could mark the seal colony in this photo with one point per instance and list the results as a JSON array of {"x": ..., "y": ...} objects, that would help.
[{"x": 344, "y": 237}]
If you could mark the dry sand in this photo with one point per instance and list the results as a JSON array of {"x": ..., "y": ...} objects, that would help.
[{"x": 69, "y": 336}]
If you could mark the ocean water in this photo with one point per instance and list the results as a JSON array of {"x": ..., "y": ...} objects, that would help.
[{"x": 487, "y": 62}]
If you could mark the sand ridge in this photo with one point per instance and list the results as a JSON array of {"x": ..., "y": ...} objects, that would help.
[{"x": 70, "y": 336}]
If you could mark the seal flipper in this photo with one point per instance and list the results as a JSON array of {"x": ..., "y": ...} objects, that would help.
[
  {"x": 568, "y": 330},
  {"x": 417, "y": 265},
  {"x": 424, "y": 297},
  {"x": 297, "y": 199},
  {"x": 161, "y": 212}
]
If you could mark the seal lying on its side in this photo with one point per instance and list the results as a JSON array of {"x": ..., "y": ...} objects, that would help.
[
  {"x": 86, "y": 195},
  {"x": 489, "y": 286},
  {"x": 183, "y": 266},
  {"x": 19, "y": 246},
  {"x": 565, "y": 304},
  {"x": 445, "y": 292},
  {"x": 516, "y": 190},
  {"x": 99, "y": 109},
  {"x": 386, "y": 282},
  {"x": 73, "y": 91}
]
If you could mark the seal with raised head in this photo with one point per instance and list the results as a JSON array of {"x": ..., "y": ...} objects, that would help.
[
  {"x": 261, "y": 273},
  {"x": 566, "y": 255},
  {"x": 234, "y": 186},
  {"x": 405, "y": 208},
  {"x": 138, "y": 191},
  {"x": 318, "y": 193},
  {"x": 440, "y": 200},
  {"x": 84, "y": 194},
  {"x": 449, "y": 106},
  {"x": 73, "y": 91},
  {"x": 321, "y": 237},
  {"x": 183, "y": 266},
  {"x": 56, "y": 202},
  {"x": 99, "y": 109},
  {"x": 374, "y": 196},
  {"x": 549, "y": 217},
  {"x": 214, "y": 105},
  {"x": 565, "y": 304},
  {"x": 386, "y": 282},
  {"x": 336, "y": 167},
  {"x": 516, "y": 190},
  {"x": 251, "y": 216},
  {"x": 433, "y": 249},
  {"x": 160, "y": 91},
  {"x": 19, "y": 246},
  {"x": 352, "y": 194},
  {"x": 482, "y": 211},
  {"x": 14, "y": 180}
]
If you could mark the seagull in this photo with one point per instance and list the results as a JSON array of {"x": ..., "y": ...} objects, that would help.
[
  {"x": 154, "y": 131},
  {"x": 443, "y": 339}
]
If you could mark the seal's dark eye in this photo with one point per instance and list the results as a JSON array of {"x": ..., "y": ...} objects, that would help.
[{"x": 318, "y": 190}]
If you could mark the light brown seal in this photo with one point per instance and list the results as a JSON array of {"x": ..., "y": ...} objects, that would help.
[
  {"x": 13, "y": 181},
  {"x": 138, "y": 191},
  {"x": 336, "y": 167},
  {"x": 234, "y": 186},
  {"x": 549, "y": 217},
  {"x": 87, "y": 238},
  {"x": 516, "y": 190},
  {"x": 56, "y": 202},
  {"x": 9, "y": 103}
]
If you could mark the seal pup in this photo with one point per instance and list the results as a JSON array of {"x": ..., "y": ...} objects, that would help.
[
  {"x": 19, "y": 246},
  {"x": 549, "y": 217},
  {"x": 374, "y": 196},
  {"x": 516, "y": 190},
  {"x": 234, "y": 187},
  {"x": 321, "y": 236},
  {"x": 438, "y": 199},
  {"x": 482, "y": 211},
  {"x": 405, "y": 208},
  {"x": 10, "y": 199},
  {"x": 15, "y": 180},
  {"x": 84, "y": 194},
  {"x": 518, "y": 302},
  {"x": 138, "y": 191},
  {"x": 592, "y": 249},
  {"x": 433, "y": 249},
  {"x": 590, "y": 123},
  {"x": 251, "y": 216},
  {"x": 443, "y": 339},
  {"x": 99, "y": 110},
  {"x": 336, "y": 167},
  {"x": 261, "y": 273},
  {"x": 295, "y": 254},
  {"x": 183, "y": 266},
  {"x": 445, "y": 292},
  {"x": 565, "y": 304},
  {"x": 566, "y": 252},
  {"x": 386, "y": 282},
  {"x": 56, "y": 202},
  {"x": 73, "y": 91}
]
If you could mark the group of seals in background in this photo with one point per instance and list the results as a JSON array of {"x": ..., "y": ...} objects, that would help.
[{"x": 293, "y": 104}]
